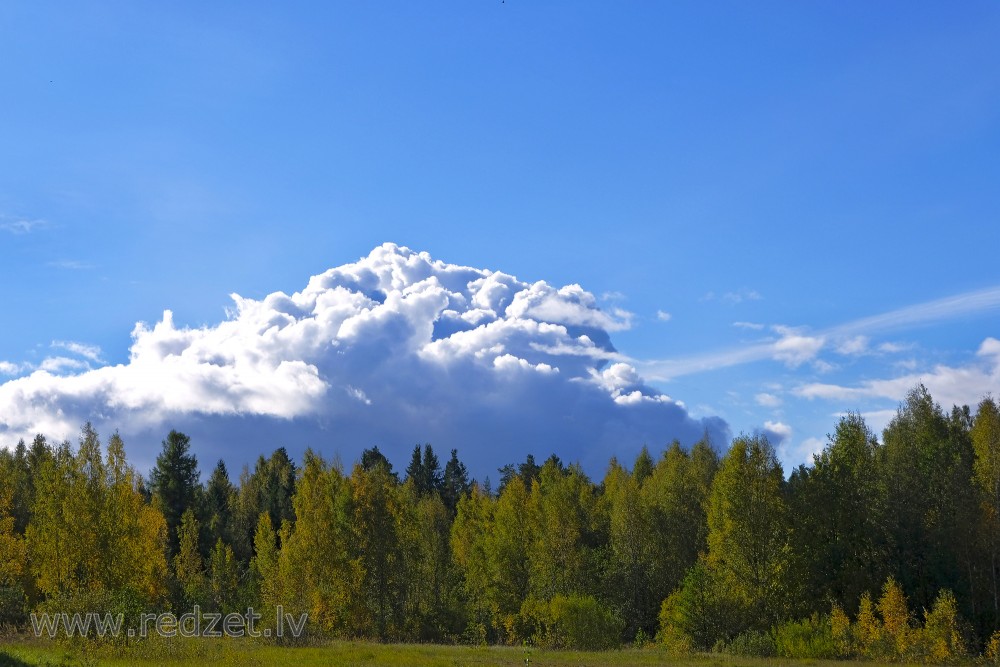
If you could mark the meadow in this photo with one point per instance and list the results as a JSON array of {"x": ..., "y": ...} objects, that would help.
[{"x": 24, "y": 652}]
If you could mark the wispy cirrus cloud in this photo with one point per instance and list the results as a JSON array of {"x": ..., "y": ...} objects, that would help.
[
  {"x": 741, "y": 295},
  {"x": 734, "y": 297},
  {"x": 967, "y": 303},
  {"x": 71, "y": 265},
  {"x": 797, "y": 345},
  {"x": 91, "y": 352},
  {"x": 950, "y": 385},
  {"x": 20, "y": 225}
]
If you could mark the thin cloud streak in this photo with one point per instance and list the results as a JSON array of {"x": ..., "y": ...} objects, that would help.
[
  {"x": 925, "y": 313},
  {"x": 20, "y": 226},
  {"x": 931, "y": 311}
]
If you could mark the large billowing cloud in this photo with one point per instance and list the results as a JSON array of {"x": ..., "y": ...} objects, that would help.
[{"x": 394, "y": 349}]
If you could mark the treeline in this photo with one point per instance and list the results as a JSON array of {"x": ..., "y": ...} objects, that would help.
[{"x": 886, "y": 549}]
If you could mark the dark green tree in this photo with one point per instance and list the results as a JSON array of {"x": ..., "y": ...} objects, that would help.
[
  {"x": 675, "y": 498},
  {"x": 455, "y": 483},
  {"x": 930, "y": 502},
  {"x": 268, "y": 489},
  {"x": 838, "y": 520},
  {"x": 379, "y": 547},
  {"x": 985, "y": 434},
  {"x": 425, "y": 471},
  {"x": 219, "y": 500},
  {"x": 527, "y": 471},
  {"x": 372, "y": 457},
  {"x": 174, "y": 484},
  {"x": 643, "y": 467}
]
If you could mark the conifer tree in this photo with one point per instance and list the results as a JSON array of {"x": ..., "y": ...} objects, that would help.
[
  {"x": 455, "y": 482},
  {"x": 174, "y": 484},
  {"x": 219, "y": 500}
]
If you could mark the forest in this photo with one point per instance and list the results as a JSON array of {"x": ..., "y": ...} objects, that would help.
[{"x": 883, "y": 548}]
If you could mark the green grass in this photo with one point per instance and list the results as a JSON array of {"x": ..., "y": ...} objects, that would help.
[{"x": 194, "y": 653}]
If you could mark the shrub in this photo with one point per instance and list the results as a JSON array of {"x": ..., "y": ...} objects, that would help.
[
  {"x": 993, "y": 649},
  {"x": 700, "y": 610},
  {"x": 868, "y": 630},
  {"x": 896, "y": 619},
  {"x": 674, "y": 641},
  {"x": 125, "y": 604},
  {"x": 752, "y": 643},
  {"x": 840, "y": 631},
  {"x": 13, "y": 605},
  {"x": 581, "y": 622},
  {"x": 809, "y": 638},
  {"x": 940, "y": 639},
  {"x": 574, "y": 621}
]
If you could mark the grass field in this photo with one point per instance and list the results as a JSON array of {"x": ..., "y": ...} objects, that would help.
[{"x": 194, "y": 653}]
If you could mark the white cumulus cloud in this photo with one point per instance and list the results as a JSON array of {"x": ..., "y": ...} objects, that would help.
[
  {"x": 393, "y": 349},
  {"x": 9, "y": 368},
  {"x": 767, "y": 400},
  {"x": 794, "y": 348},
  {"x": 777, "y": 432}
]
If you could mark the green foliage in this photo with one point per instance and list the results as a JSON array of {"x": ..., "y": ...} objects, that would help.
[
  {"x": 13, "y": 605},
  {"x": 674, "y": 641},
  {"x": 632, "y": 558},
  {"x": 807, "y": 638},
  {"x": 748, "y": 538},
  {"x": 376, "y": 529},
  {"x": 125, "y": 604},
  {"x": 13, "y": 552},
  {"x": 985, "y": 435},
  {"x": 270, "y": 488},
  {"x": 868, "y": 629},
  {"x": 455, "y": 484},
  {"x": 189, "y": 568},
  {"x": 223, "y": 578},
  {"x": 897, "y": 631},
  {"x": 700, "y": 610},
  {"x": 751, "y": 643},
  {"x": 838, "y": 519},
  {"x": 316, "y": 570},
  {"x": 941, "y": 638},
  {"x": 424, "y": 472},
  {"x": 91, "y": 529},
  {"x": 561, "y": 505},
  {"x": 574, "y": 621},
  {"x": 219, "y": 498},
  {"x": 992, "y": 652},
  {"x": 432, "y": 598},
  {"x": 700, "y": 551},
  {"x": 934, "y": 509},
  {"x": 174, "y": 484},
  {"x": 506, "y": 543},
  {"x": 471, "y": 554},
  {"x": 674, "y": 499}
]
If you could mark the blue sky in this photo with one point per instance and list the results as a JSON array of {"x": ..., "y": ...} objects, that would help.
[{"x": 769, "y": 175}]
